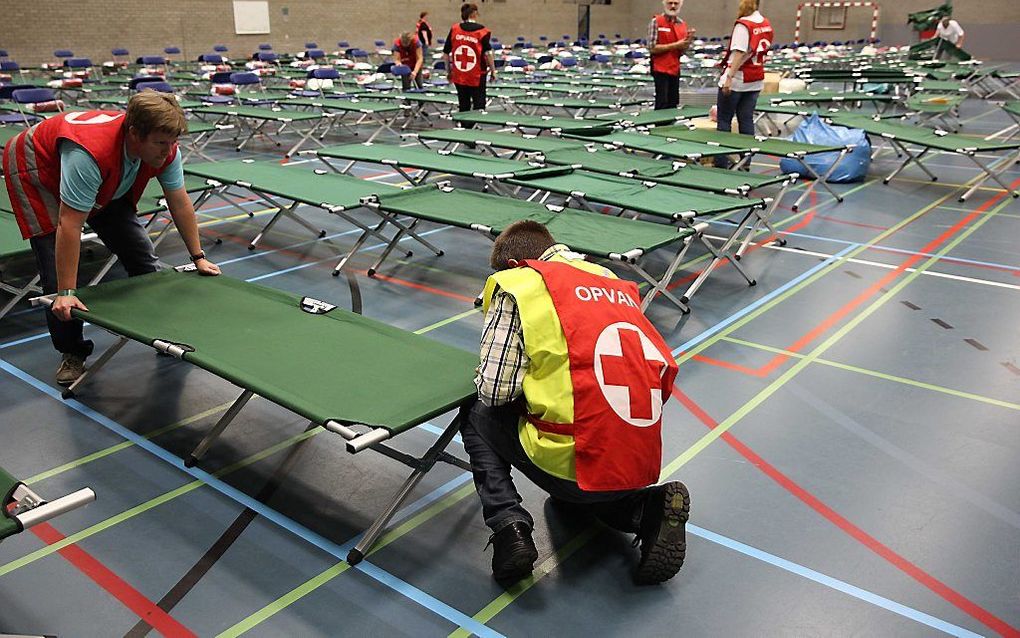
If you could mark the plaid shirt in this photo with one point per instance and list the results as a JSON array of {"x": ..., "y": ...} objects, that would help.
[{"x": 504, "y": 361}]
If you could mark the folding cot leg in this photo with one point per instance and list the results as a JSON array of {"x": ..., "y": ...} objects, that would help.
[
  {"x": 31, "y": 286},
  {"x": 357, "y": 246},
  {"x": 95, "y": 367},
  {"x": 304, "y": 138},
  {"x": 661, "y": 285},
  {"x": 910, "y": 158},
  {"x": 991, "y": 174},
  {"x": 217, "y": 429},
  {"x": 717, "y": 257},
  {"x": 763, "y": 218},
  {"x": 821, "y": 179},
  {"x": 401, "y": 231},
  {"x": 282, "y": 211},
  {"x": 422, "y": 467}
]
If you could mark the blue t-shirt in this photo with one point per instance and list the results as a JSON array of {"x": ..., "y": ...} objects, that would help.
[{"x": 80, "y": 178}]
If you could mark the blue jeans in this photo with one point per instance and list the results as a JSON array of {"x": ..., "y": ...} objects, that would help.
[
  {"x": 740, "y": 103},
  {"x": 493, "y": 445},
  {"x": 120, "y": 230}
]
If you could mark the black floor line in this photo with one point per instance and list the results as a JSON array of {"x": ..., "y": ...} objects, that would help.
[
  {"x": 939, "y": 322},
  {"x": 910, "y": 305},
  {"x": 1012, "y": 368},
  {"x": 977, "y": 344},
  {"x": 222, "y": 544}
]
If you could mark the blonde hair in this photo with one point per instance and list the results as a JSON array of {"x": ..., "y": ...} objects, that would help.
[
  {"x": 406, "y": 38},
  {"x": 150, "y": 111},
  {"x": 746, "y": 8}
]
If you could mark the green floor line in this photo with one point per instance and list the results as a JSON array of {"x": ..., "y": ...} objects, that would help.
[
  {"x": 317, "y": 581},
  {"x": 542, "y": 570},
  {"x": 60, "y": 469},
  {"x": 797, "y": 367},
  {"x": 880, "y": 375},
  {"x": 150, "y": 504},
  {"x": 448, "y": 320}
]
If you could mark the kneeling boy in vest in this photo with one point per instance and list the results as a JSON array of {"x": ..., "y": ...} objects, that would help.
[{"x": 571, "y": 386}]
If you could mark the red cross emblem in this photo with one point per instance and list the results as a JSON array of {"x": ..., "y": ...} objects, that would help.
[
  {"x": 464, "y": 58},
  {"x": 629, "y": 370}
]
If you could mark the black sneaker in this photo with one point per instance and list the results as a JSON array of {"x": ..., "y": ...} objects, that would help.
[
  {"x": 663, "y": 534},
  {"x": 513, "y": 553}
]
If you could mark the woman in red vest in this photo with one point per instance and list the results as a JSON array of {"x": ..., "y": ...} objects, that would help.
[
  {"x": 668, "y": 39},
  {"x": 468, "y": 55},
  {"x": 94, "y": 165},
  {"x": 743, "y": 75},
  {"x": 424, "y": 31}
]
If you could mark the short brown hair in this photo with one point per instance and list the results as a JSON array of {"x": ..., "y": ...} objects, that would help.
[
  {"x": 150, "y": 111},
  {"x": 467, "y": 9},
  {"x": 423, "y": 14},
  {"x": 521, "y": 240}
]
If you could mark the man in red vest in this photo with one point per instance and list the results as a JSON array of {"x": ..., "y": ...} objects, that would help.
[
  {"x": 668, "y": 39},
  {"x": 94, "y": 166},
  {"x": 468, "y": 55},
  {"x": 571, "y": 387}
]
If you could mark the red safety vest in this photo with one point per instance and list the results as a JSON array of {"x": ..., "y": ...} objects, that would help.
[
  {"x": 621, "y": 371},
  {"x": 35, "y": 194},
  {"x": 759, "y": 44},
  {"x": 666, "y": 33},
  {"x": 467, "y": 63},
  {"x": 406, "y": 54}
]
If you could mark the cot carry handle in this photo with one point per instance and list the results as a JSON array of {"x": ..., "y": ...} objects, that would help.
[
  {"x": 55, "y": 508},
  {"x": 177, "y": 350},
  {"x": 357, "y": 441},
  {"x": 316, "y": 306}
]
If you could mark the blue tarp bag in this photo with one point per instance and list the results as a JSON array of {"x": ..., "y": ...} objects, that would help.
[{"x": 813, "y": 130}]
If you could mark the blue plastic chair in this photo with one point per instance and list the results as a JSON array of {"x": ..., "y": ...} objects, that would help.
[
  {"x": 315, "y": 54},
  {"x": 311, "y": 45},
  {"x": 211, "y": 58},
  {"x": 151, "y": 60},
  {"x": 172, "y": 50},
  {"x": 220, "y": 48},
  {"x": 142, "y": 79},
  {"x": 267, "y": 56},
  {"x": 78, "y": 63},
  {"x": 265, "y": 47},
  {"x": 63, "y": 53},
  {"x": 160, "y": 87}
]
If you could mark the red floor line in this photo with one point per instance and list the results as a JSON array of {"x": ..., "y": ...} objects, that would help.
[
  {"x": 423, "y": 287},
  {"x": 969, "y": 607},
  {"x": 114, "y": 584},
  {"x": 736, "y": 367}
]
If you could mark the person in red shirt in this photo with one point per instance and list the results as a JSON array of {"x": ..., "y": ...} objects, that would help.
[
  {"x": 408, "y": 51},
  {"x": 668, "y": 39},
  {"x": 424, "y": 30},
  {"x": 468, "y": 55}
]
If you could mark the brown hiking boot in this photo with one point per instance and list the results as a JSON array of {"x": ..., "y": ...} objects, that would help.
[
  {"x": 663, "y": 534},
  {"x": 71, "y": 367}
]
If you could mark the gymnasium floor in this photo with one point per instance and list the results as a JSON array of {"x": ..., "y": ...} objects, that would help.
[{"x": 847, "y": 429}]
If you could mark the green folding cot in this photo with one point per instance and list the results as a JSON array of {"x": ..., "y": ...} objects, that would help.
[
  {"x": 914, "y": 143},
  {"x": 22, "y": 508},
  {"x": 524, "y": 123},
  {"x": 684, "y": 175},
  {"x": 935, "y": 109},
  {"x": 765, "y": 146},
  {"x": 659, "y": 147},
  {"x": 680, "y": 205},
  {"x": 253, "y": 120},
  {"x": 1012, "y": 111},
  {"x": 661, "y": 117},
  {"x": 847, "y": 99},
  {"x": 622, "y": 241},
  {"x": 422, "y": 105},
  {"x": 572, "y": 107},
  {"x": 382, "y": 115},
  {"x": 351, "y": 375},
  {"x": 8, "y": 133},
  {"x": 404, "y": 160},
  {"x": 490, "y": 140},
  {"x": 273, "y": 184}
]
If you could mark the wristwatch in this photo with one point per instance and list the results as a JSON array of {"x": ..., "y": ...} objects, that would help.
[
  {"x": 67, "y": 292},
  {"x": 199, "y": 255}
]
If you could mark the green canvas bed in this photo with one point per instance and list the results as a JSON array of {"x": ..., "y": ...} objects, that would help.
[
  {"x": 680, "y": 205},
  {"x": 661, "y": 117},
  {"x": 273, "y": 184},
  {"x": 539, "y": 123},
  {"x": 490, "y": 140},
  {"x": 683, "y": 175},
  {"x": 659, "y": 147},
  {"x": 382, "y": 115},
  {"x": 764, "y": 146},
  {"x": 327, "y": 365},
  {"x": 421, "y": 105},
  {"x": 404, "y": 159},
  {"x": 23, "y": 508},
  {"x": 1012, "y": 111},
  {"x": 915, "y": 142},
  {"x": 253, "y": 120},
  {"x": 847, "y": 99},
  {"x": 935, "y": 109},
  {"x": 572, "y": 107},
  {"x": 622, "y": 241}
]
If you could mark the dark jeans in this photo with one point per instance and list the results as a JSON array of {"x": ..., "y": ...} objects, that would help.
[
  {"x": 492, "y": 443},
  {"x": 120, "y": 230},
  {"x": 471, "y": 98},
  {"x": 405, "y": 81},
  {"x": 667, "y": 91},
  {"x": 740, "y": 103}
]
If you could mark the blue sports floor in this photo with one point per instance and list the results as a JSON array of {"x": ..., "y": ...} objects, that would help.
[{"x": 849, "y": 430}]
